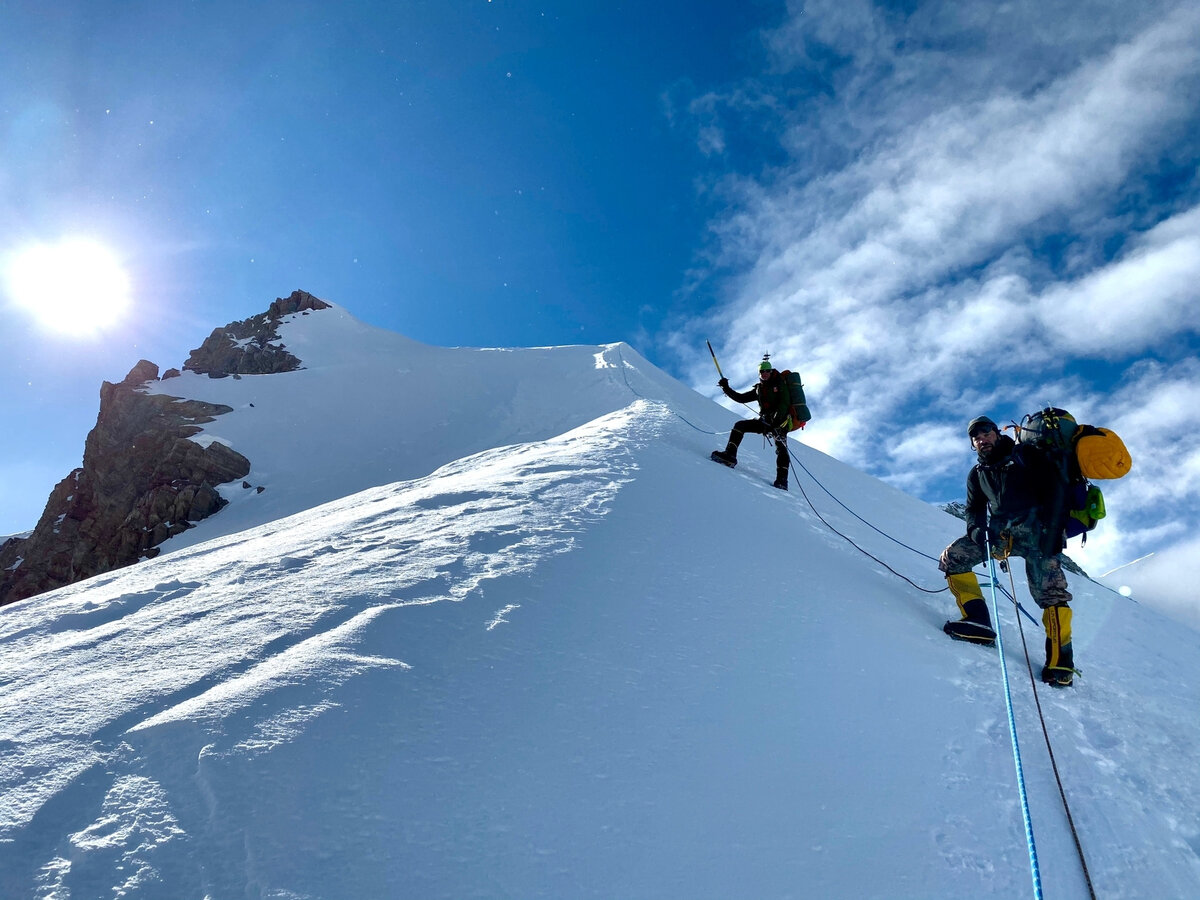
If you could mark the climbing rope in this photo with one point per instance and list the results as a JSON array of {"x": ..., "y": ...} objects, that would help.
[
  {"x": 807, "y": 499},
  {"x": 1019, "y": 607},
  {"x": 642, "y": 397},
  {"x": 856, "y": 515},
  {"x": 867, "y": 553},
  {"x": 1016, "y": 746},
  {"x": 1087, "y": 875}
]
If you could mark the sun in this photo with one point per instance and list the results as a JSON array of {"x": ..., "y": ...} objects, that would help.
[{"x": 76, "y": 287}]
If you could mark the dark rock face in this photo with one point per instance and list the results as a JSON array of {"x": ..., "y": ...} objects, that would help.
[
  {"x": 251, "y": 346},
  {"x": 142, "y": 480}
]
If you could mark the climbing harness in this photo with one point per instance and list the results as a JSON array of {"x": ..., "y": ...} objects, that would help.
[{"x": 1002, "y": 550}]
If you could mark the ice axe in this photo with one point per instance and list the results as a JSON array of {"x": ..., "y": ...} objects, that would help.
[{"x": 714, "y": 356}]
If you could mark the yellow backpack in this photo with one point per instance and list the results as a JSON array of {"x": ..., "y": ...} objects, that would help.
[{"x": 1101, "y": 453}]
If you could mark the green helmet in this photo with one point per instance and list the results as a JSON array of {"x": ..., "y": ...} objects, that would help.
[{"x": 765, "y": 365}]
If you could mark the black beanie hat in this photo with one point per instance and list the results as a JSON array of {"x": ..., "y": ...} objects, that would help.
[{"x": 977, "y": 422}]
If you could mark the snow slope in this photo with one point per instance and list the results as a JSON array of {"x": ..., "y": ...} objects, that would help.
[
  {"x": 583, "y": 661},
  {"x": 371, "y": 407}
]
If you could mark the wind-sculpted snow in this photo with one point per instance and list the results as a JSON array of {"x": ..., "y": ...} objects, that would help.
[{"x": 242, "y": 626}]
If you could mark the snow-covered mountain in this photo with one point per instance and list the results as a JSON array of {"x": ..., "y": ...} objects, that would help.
[{"x": 497, "y": 627}]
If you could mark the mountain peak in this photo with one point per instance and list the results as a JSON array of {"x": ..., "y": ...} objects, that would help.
[
  {"x": 143, "y": 479},
  {"x": 252, "y": 346}
]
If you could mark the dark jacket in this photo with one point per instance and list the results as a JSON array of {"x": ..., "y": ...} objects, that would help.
[
  {"x": 1018, "y": 485},
  {"x": 771, "y": 394}
]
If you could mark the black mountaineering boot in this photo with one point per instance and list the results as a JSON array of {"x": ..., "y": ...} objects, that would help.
[
  {"x": 781, "y": 480},
  {"x": 726, "y": 457},
  {"x": 971, "y": 630},
  {"x": 976, "y": 624}
]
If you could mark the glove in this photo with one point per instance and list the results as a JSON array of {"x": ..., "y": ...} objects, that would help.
[
  {"x": 723, "y": 384},
  {"x": 978, "y": 537},
  {"x": 1002, "y": 545}
]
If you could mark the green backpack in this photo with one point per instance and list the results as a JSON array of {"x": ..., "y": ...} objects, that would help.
[
  {"x": 1086, "y": 508},
  {"x": 798, "y": 413}
]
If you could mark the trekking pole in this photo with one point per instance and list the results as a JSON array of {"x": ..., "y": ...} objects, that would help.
[{"x": 714, "y": 356}]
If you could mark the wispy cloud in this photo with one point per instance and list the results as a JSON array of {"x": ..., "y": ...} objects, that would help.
[{"x": 978, "y": 209}]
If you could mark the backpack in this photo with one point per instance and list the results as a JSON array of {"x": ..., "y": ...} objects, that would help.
[
  {"x": 1085, "y": 508},
  {"x": 798, "y": 412},
  {"x": 1090, "y": 452},
  {"x": 1080, "y": 452}
]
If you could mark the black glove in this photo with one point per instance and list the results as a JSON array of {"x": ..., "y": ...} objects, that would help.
[
  {"x": 978, "y": 537},
  {"x": 723, "y": 384}
]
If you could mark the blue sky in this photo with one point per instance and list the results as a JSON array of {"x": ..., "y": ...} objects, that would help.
[{"x": 930, "y": 210}]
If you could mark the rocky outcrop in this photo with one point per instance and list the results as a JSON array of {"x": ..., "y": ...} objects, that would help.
[
  {"x": 252, "y": 346},
  {"x": 143, "y": 479}
]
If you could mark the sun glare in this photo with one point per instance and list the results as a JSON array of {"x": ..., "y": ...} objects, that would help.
[{"x": 75, "y": 287}]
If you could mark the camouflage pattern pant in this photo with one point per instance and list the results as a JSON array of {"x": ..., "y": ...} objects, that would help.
[{"x": 1047, "y": 583}]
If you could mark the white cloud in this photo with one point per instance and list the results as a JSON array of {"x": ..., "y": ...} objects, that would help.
[
  {"x": 969, "y": 223},
  {"x": 1131, "y": 304}
]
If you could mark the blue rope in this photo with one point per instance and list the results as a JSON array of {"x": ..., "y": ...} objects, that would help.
[
  {"x": 1013, "y": 599},
  {"x": 1012, "y": 730}
]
